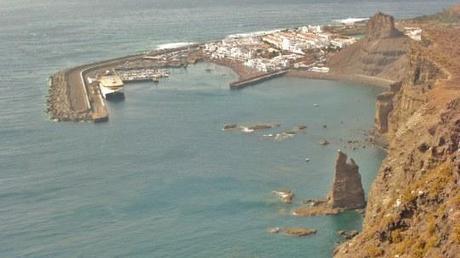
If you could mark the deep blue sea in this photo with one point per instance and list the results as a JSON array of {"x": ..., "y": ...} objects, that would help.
[{"x": 161, "y": 179}]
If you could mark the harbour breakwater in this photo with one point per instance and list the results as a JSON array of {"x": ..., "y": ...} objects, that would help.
[{"x": 75, "y": 94}]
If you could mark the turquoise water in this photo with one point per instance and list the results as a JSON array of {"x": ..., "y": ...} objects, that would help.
[{"x": 161, "y": 179}]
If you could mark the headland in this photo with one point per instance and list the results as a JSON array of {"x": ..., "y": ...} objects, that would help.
[{"x": 413, "y": 207}]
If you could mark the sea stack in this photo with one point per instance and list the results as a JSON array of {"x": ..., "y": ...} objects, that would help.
[{"x": 347, "y": 190}]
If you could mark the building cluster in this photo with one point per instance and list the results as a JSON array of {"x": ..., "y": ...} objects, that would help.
[
  {"x": 413, "y": 33},
  {"x": 277, "y": 50}
]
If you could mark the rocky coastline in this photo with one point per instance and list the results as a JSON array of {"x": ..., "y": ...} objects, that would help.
[
  {"x": 414, "y": 203},
  {"x": 413, "y": 206}
]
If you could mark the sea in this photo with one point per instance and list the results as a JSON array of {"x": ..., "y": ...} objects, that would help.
[{"x": 161, "y": 178}]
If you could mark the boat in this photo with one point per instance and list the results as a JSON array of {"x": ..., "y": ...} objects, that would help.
[{"x": 111, "y": 86}]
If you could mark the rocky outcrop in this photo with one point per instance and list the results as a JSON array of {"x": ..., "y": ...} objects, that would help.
[
  {"x": 381, "y": 26},
  {"x": 347, "y": 190},
  {"x": 382, "y": 54},
  {"x": 383, "y": 108},
  {"x": 413, "y": 206},
  {"x": 294, "y": 231}
]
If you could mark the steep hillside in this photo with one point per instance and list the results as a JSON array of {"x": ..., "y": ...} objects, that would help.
[
  {"x": 380, "y": 54},
  {"x": 413, "y": 207}
]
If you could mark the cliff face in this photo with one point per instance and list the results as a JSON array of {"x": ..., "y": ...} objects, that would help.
[
  {"x": 413, "y": 207},
  {"x": 381, "y": 26},
  {"x": 347, "y": 190},
  {"x": 381, "y": 54}
]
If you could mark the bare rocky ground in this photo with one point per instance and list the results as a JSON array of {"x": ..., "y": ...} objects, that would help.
[{"x": 414, "y": 204}]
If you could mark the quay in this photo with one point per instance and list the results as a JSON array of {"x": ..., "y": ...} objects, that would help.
[
  {"x": 256, "y": 79},
  {"x": 75, "y": 94}
]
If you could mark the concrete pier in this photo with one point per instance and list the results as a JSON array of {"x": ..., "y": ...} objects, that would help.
[
  {"x": 72, "y": 97},
  {"x": 256, "y": 79}
]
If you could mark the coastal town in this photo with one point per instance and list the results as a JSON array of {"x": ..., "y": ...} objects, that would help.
[
  {"x": 254, "y": 57},
  {"x": 303, "y": 47}
]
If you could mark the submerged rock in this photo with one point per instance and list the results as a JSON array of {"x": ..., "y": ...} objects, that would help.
[
  {"x": 324, "y": 142},
  {"x": 299, "y": 232},
  {"x": 258, "y": 127},
  {"x": 293, "y": 231},
  {"x": 285, "y": 196},
  {"x": 229, "y": 126},
  {"x": 274, "y": 230},
  {"x": 283, "y": 136}
]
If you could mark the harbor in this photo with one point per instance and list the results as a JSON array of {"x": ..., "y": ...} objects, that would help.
[{"x": 80, "y": 93}]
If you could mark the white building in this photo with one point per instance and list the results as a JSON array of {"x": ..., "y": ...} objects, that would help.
[{"x": 413, "y": 33}]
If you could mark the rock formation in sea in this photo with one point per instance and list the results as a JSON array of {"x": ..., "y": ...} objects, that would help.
[{"x": 347, "y": 189}]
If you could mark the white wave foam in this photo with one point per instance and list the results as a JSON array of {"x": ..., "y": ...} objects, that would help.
[
  {"x": 351, "y": 21},
  {"x": 253, "y": 34},
  {"x": 174, "y": 45}
]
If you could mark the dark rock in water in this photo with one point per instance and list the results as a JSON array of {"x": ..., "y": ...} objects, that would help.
[
  {"x": 324, "y": 126},
  {"x": 299, "y": 232},
  {"x": 324, "y": 142},
  {"x": 230, "y": 126},
  {"x": 274, "y": 230},
  {"x": 285, "y": 196},
  {"x": 263, "y": 126},
  {"x": 347, "y": 190}
]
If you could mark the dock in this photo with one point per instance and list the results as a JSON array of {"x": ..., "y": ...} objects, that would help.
[
  {"x": 256, "y": 79},
  {"x": 73, "y": 96},
  {"x": 141, "y": 75}
]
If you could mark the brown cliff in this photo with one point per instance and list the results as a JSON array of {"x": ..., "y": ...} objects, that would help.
[
  {"x": 347, "y": 190},
  {"x": 381, "y": 54},
  {"x": 413, "y": 206}
]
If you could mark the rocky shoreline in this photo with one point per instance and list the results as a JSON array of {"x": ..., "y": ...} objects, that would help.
[{"x": 413, "y": 207}]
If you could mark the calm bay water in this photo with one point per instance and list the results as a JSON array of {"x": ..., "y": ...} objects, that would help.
[{"x": 161, "y": 179}]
